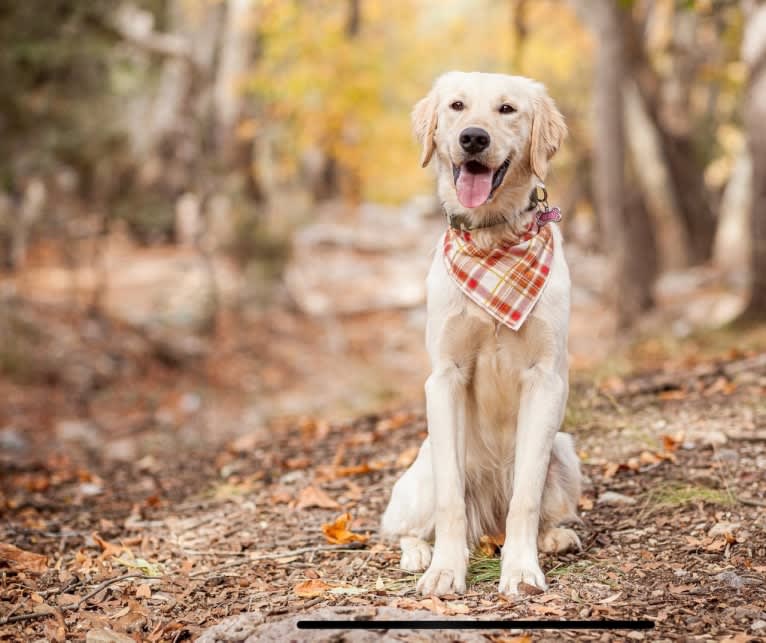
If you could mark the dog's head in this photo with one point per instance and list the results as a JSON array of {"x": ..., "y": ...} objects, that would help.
[{"x": 490, "y": 133}]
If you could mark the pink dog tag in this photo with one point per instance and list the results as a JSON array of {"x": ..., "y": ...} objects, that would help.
[{"x": 548, "y": 215}]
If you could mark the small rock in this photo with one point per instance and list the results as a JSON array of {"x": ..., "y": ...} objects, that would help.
[
  {"x": 732, "y": 579},
  {"x": 107, "y": 636},
  {"x": 123, "y": 450},
  {"x": 726, "y": 455},
  {"x": 614, "y": 498},
  {"x": 714, "y": 438},
  {"x": 234, "y": 629},
  {"x": 12, "y": 440},
  {"x": 723, "y": 528},
  {"x": 91, "y": 489},
  {"x": 758, "y": 625},
  {"x": 78, "y": 431}
]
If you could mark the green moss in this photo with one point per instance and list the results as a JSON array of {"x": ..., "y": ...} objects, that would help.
[{"x": 669, "y": 495}]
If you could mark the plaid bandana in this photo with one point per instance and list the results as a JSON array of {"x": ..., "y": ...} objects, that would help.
[{"x": 506, "y": 281}]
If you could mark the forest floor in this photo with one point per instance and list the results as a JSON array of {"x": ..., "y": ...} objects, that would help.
[{"x": 104, "y": 541}]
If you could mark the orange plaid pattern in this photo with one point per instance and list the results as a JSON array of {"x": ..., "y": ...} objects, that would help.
[{"x": 507, "y": 280}]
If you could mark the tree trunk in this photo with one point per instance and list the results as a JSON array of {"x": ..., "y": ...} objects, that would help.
[
  {"x": 236, "y": 50},
  {"x": 754, "y": 56},
  {"x": 654, "y": 179},
  {"x": 678, "y": 149},
  {"x": 633, "y": 291}
]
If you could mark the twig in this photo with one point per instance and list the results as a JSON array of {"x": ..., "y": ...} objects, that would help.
[
  {"x": 273, "y": 555},
  {"x": 751, "y": 502},
  {"x": 26, "y": 617},
  {"x": 106, "y": 584},
  {"x": 78, "y": 604}
]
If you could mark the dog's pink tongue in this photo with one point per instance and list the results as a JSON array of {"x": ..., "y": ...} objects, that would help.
[{"x": 473, "y": 189}]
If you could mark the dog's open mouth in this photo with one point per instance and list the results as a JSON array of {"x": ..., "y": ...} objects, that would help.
[{"x": 476, "y": 183}]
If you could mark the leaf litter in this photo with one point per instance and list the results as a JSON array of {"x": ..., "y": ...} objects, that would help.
[{"x": 156, "y": 557}]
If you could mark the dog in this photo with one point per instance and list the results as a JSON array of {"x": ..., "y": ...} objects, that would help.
[{"x": 494, "y": 460}]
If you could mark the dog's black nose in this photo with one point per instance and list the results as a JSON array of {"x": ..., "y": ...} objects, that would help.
[{"x": 474, "y": 140}]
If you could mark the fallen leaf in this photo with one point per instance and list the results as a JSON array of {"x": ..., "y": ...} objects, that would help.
[
  {"x": 546, "y": 609},
  {"x": 611, "y": 469},
  {"x": 407, "y": 457},
  {"x": 143, "y": 591},
  {"x": 21, "y": 560},
  {"x": 672, "y": 442},
  {"x": 338, "y": 533},
  {"x": 585, "y": 503},
  {"x": 311, "y": 588},
  {"x": 458, "y": 608},
  {"x": 314, "y": 497},
  {"x": 396, "y": 421},
  {"x": 107, "y": 636},
  {"x": 676, "y": 394},
  {"x": 611, "y": 599},
  {"x": 680, "y": 589},
  {"x": 352, "y": 470},
  {"x": 530, "y": 590},
  {"x": 298, "y": 463},
  {"x": 435, "y": 604},
  {"x": 107, "y": 549},
  {"x": 491, "y": 545}
]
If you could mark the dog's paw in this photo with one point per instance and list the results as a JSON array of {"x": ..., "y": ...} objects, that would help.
[
  {"x": 558, "y": 540},
  {"x": 416, "y": 554},
  {"x": 440, "y": 580},
  {"x": 513, "y": 575}
]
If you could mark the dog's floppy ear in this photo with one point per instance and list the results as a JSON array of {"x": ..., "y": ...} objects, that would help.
[
  {"x": 548, "y": 132},
  {"x": 424, "y": 124}
]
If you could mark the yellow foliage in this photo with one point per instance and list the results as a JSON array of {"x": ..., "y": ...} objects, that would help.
[{"x": 351, "y": 97}]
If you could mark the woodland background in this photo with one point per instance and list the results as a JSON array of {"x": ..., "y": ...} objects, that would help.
[{"x": 211, "y": 213}]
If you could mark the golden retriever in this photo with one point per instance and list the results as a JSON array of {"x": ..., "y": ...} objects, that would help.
[{"x": 494, "y": 460}]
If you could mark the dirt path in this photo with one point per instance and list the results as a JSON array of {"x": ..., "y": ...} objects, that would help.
[{"x": 673, "y": 531}]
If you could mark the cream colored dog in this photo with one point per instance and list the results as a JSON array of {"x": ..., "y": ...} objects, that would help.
[{"x": 493, "y": 460}]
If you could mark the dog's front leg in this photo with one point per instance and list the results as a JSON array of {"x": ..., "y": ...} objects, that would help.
[
  {"x": 543, "y": 398},
  {"x": 446, "y": 409}
]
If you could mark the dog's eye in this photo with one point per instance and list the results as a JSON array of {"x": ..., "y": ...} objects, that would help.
[
  {"x": 505, "y": 108},
  {"x": 457, "y": 106}
]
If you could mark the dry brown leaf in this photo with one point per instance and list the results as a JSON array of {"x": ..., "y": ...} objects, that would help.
[
  {"x": 680, "y": 589},
  {"x": 491, "y": 545},
  {"x": 647, "y": 457},
  {"x": 530, "y": 590},
  {"x": 21, "y": 560},
  {"x": 314, "y": 497},
  {"x": 338, "y": 533},
  {"x": 311, "y": 588},
  {"x": 396, "y": 421},
  {"x": 585, "y": 503},
  {"x": 407, "y": 457},
  {"x": 676, "y": 394},
  {"x": 671, "y": 443},
  {"x": 610, "y": 470},
  {"x": 143, "y": 591},
  {"x": 352, "y": 470},
  {"x": 281, "y": 497},
  {"x": 107, "y": 548},
  {"x": 434, "y": 604},
  {"x": 298, "y": 463}
]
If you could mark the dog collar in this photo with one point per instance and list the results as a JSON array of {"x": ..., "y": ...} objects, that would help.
[{"x": 538, "y": 196}]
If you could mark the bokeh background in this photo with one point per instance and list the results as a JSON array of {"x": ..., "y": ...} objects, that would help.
[
  {"x": 212, "y": 214},
  {"x": 214, "y": 237}
]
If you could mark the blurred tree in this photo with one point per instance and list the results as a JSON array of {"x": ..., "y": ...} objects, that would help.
[
  {"x": 625, "y": 228},
  {"x": 754, "y": 55},
  {"x": 685, "y": 164}
]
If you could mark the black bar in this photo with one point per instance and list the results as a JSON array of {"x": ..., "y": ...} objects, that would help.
[{"x": 605, "y": 624}]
